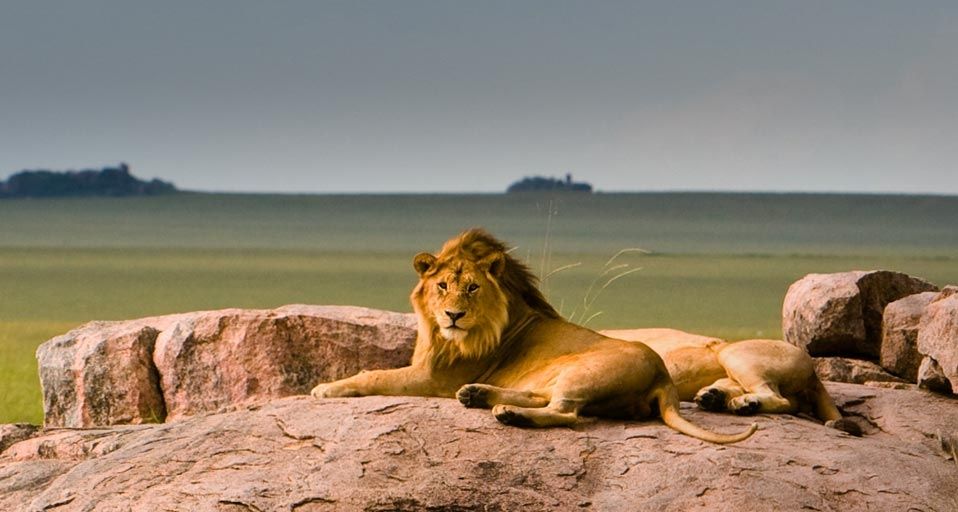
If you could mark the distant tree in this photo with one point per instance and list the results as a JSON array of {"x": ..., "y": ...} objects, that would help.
[
  {"x": 541, "y": 183},
  {"x": 110, "y": 181}
]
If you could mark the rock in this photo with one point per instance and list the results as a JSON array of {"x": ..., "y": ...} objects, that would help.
[
  {"x": 162, "y": 368},
  {"x": 891, "y": 385},
  {"x": 841, "y": 314},
  {"x": 947, "y": 291},
  {"x": 233, "y": 357},
  {"x": 12, "y": 433},
  {"x": 938, "y": 335},
  {"x": 410, "y": 453},
  {"x": 854, "y": 371},
  {"x": 101, "y": 373},
  {"x": 932, "y": 378},
  {"x": 899, "y": 345}
]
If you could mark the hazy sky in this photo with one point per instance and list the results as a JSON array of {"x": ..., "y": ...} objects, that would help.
[{"x": 347, "y": 96}]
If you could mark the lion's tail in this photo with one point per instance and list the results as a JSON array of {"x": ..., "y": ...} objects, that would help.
[
  {"x": 826, "y": 410},
  {"x": 668, "y": 400},
  {"x": 825, "y": 407}
]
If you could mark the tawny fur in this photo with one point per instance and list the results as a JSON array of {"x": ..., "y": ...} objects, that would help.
[{"x": 487, "y": 336}]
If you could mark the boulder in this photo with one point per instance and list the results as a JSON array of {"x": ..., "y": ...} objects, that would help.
[
  {"x": 854, "y": 371},
  {"x": 411, "y": 453},
  {"x": 841, "y": 314},
  {"x": 102, "y": 373},
  {"x": 938, "y": 335},
  {"x": 899, "y": 345},
  {"x": 932, "y": 378},
  {"x": 162, "y": 368},
  {"x": 214, "y": 361}
]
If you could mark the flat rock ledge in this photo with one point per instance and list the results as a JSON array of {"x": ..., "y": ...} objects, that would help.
[{"x": 407, "y": 453}]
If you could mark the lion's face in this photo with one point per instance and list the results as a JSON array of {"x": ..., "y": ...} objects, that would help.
[{"x": 463, "y": 298}]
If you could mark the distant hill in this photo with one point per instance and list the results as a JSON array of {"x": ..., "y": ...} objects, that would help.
[
  {"x": 110, "y": 181},
  {"x": 543, "y": 184}
]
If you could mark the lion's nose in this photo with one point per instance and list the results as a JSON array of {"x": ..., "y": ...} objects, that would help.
[{"x": 455, "y": 315}]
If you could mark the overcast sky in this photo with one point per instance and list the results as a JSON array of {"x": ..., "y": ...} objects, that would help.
[{"x": 356, "y": 96}]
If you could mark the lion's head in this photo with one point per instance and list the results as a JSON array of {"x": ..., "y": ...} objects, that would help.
[{"x": 465, "y": 296}]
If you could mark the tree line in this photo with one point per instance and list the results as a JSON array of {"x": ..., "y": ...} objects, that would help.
[{"x": 109, "y": 181}]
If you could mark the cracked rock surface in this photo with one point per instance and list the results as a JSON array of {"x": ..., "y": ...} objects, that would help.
[{"x": 408, "y": 453}]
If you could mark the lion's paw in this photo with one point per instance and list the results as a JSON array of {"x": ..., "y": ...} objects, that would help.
[
  {"x": 472, "y": 395},
  {"x": 507, "y": 416},
  {"x": 320, "y": 391},
  {"x": 745, "y": 406},
  {"x": 332, "y": 390},
  {"x": 712, "y": 399}
]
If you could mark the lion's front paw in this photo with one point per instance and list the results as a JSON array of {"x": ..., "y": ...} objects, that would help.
[
  {"x": 320, "y": 391},
  {"x": 711, "y": 399},
  {"x": 332, "y": 390},
  {"x": 473, "y": 395}
]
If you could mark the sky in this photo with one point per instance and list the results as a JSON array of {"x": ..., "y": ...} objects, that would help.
[{"x": 309, "y": 96}]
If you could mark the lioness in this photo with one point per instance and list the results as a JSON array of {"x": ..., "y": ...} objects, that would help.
[
  {"x": 745, "y": 377},
  {"x": 487, "y": 336}
]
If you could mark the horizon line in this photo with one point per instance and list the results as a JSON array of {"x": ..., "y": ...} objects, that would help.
[{"x": 571, "y": 193}]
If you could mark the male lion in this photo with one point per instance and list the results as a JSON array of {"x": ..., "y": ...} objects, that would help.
[
  {"x": 745, "y": 377},
  {"x": 488, "y": 337}
]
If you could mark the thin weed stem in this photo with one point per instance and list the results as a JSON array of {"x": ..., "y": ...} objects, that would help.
[
  {"x": 562, "y": 268},
  {"x": 591, "y": 294}
]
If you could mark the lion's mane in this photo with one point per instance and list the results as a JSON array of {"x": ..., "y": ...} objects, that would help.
[{"x": 517, "y": 287}]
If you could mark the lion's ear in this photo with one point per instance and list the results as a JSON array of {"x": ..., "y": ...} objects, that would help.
[
  {"x": 423, "y": 262},
  {"x": 495, "y": 264}
]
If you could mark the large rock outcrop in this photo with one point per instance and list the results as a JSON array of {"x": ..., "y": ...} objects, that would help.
[
  {"x": 899, "y": 344},
  {"x": 938, "y": 336},
  {"x": 162, "y": 368},
  {"x": 841, "y": 314},
  {"x": 409, "y": 453}
]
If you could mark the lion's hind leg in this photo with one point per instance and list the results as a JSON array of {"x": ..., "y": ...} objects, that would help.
[
  {"x": 485, "y": 396},
  {"x": 728, "y": 394},
  {"x": 717, "y": 396},
  {"x": 763, "y": 398}
]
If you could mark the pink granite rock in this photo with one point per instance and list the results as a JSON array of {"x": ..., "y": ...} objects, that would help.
[
  {"x": 938, "y": 335},
  {"x": 12, "y": 433},
  {"x": 899, "y": 345},
  {"x": 840, "y": 314},
  {"x": 213, "y": 361},
  {"x": 154, "y": 369},
  {"x": 932, "y": 378},
  {"x": 853, "y": 371},
  {"x": 102, "y": 373},
  {"x": 411, "y": 453}
]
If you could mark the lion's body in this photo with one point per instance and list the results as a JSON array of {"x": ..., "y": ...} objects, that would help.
[
  {"x": 488, "y": 337},
  {"x": 749, "y": 376}
]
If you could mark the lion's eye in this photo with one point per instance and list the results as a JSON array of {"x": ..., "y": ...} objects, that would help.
[
  {"x": 473, "y": 287},
  {"x": 442, "y": 285}
]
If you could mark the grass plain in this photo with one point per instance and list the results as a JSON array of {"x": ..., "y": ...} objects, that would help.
[{"x": 718, "y": 263}]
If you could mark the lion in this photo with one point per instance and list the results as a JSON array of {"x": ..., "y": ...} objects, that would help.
[
  {"x": 744, "y": 377},
  {"x": 487, "y": 336}
]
